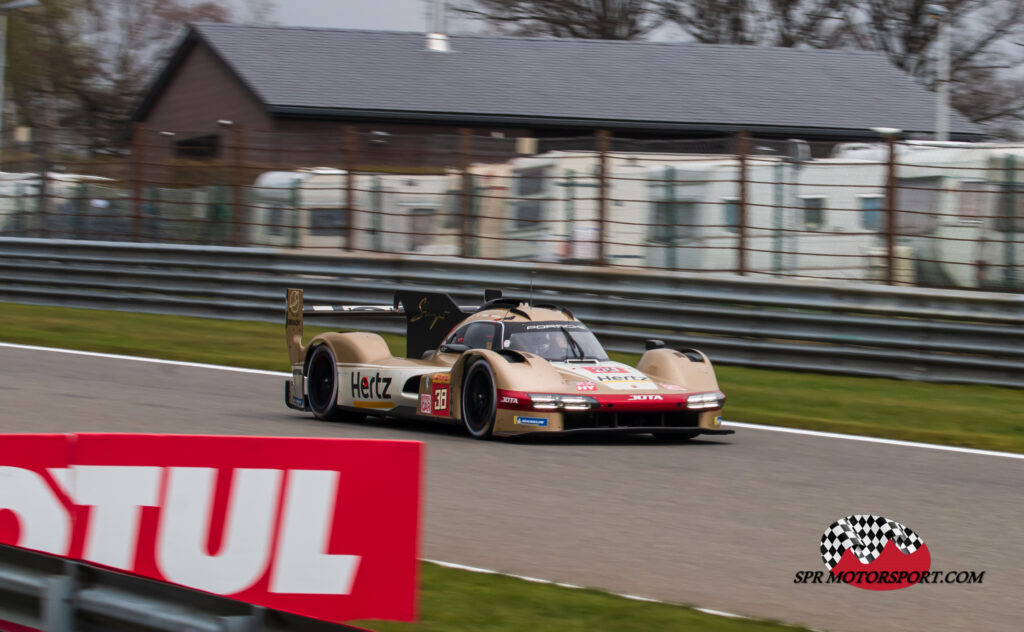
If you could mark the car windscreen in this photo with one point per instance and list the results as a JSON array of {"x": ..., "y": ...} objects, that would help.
[{"x": 554, "y": 341}]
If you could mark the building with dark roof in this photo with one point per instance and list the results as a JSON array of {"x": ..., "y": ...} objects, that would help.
[{"x": 294, "y": 83}]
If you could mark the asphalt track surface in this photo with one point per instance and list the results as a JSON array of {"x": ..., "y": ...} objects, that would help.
[{"x": 720, "y": 524}]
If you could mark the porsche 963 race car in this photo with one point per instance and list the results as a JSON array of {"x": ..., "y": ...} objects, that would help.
[{"x": 507, "y": 367}]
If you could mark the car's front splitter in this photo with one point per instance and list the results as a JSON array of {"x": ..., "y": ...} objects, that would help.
[{"x": 660, "y": 430}]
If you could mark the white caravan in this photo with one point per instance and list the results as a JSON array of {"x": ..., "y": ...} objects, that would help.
[
  {"x": 308, "y": 208},
  {"x": 19, "y": 199},
  {"x": 74, "y": 205},
  {"x": 680, "y": 211},
  {"x": 553, "y": 212},
  {"x": 489, "y": 221},
  {"x": 818, "y": 218},
  {"x": 962, "y": 213}
]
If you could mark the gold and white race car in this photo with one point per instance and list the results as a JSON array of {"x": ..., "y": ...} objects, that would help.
[{"x": 508, "y": 367}]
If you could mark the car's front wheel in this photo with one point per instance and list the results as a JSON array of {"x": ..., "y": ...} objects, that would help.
[
  {"x": 479, "y": 400},
  {"x": 322, "y": 387}
]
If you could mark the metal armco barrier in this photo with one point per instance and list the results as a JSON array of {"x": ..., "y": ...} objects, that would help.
[
  {"x": 46, "y": 593},
  {"x": 908, "y": 333}
]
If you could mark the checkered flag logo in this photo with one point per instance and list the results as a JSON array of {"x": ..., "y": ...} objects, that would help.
[{"x": 867, "y": 536}]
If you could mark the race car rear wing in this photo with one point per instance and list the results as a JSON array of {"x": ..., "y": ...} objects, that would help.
[{"x": 429, "y": 316}]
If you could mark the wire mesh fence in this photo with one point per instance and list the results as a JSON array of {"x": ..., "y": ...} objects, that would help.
[{"x": 911, "y": 213}]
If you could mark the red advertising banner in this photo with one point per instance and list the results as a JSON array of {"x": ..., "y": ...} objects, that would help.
[{"x": 324, "y": 528}]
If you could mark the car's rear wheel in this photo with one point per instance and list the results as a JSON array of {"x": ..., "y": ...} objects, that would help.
[
  {"x": 322, "y": 387},
  {"x": 479, "y": 400}
]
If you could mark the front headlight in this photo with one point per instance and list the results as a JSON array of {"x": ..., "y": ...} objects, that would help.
[
  {"x": 543, "y": 401},
  {"x": 576, "y": 402},
  {"x": 698, "y": 401}
]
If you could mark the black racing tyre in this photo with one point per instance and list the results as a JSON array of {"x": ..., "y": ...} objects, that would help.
[
  {"x": 479, "y": 400},
  {"x": 322, "y": 386}
]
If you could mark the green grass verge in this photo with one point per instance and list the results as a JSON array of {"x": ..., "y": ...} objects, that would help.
[
  {"x": 454, "y": 600},
  {"x": 966, "y": 415}
]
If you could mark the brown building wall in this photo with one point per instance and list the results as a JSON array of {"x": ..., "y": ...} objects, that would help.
[
  {"x": 201, "y": 92},
  {"x": 182, "y": 123},
  {"x": 313, "y": 142}
]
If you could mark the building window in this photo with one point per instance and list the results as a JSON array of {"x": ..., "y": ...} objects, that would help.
[
  {"x": 1009, "y": 209},
  {"x": 326, "y": 222},
  {"x": 814, "y": 212},
  {"x": 452, "y": 214},
  {"x": 421, "y": 220},
  {"x": 731, "y": 208},
  {"x": 275, "y": 221},
  {"x": 198, "y": 147},
  {"x": 871, "y": 212},
  {"x": 672, "y": 221},
  {"x": 530, "y": 182},
  {"x": 917, "y": 201},
  {"x": 974, "y": 197},
  {"x": 528, "y": 213}
]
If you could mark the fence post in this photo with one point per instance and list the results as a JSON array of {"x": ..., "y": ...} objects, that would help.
[
  {"x": 351, "y": 149},
  {"x": 1010, "y": 212},
  {"x": 465, "y": 191},
  {"x": 604, "y": 142},
  {"x": 890, "y": 212},
  {"x": 42, "y": 219},
  {"x": 742, "y": 150},
  {"x": 138, "y": 158},
  {"x": 237, "y": 175}
]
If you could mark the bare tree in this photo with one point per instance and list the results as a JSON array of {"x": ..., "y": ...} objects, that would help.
[
  {"x": 130, "y": 39},
  {"x": 983, "y": 52},
  {"x": 906, "y": 33},
  {"x": 82, "y": 64},
  {"x": 716, "y": 21},
  {"x": 994, "y": 102},
  {"x": 585, "y": 19},
  {"x": 258, "y": 12},
  {"x": 785, "y": 23}
]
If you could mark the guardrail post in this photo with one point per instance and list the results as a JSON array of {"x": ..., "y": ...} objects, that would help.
[
  {"x": 742, "y": 151},
  {"x": 604, "y": 145},
  {"x": 58, "y": 612},
  {"x": 465, "y": 191},
  {"x": 138, "y": 166},
  {"x": 240, "y": 624},
  {"x": 237, "y": 177},
  {"x": 890, "y": 212},
  {"x": 351, "y": 151}
]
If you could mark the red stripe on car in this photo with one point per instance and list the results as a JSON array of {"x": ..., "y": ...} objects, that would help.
[
  {"x": 513, "y": 400},
  {"x": 642, "y": 401}
]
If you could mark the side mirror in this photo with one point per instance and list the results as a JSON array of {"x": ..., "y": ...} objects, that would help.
[
  {"x": 454, "y": 348},
  {"x": 653, "y": 344}
]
